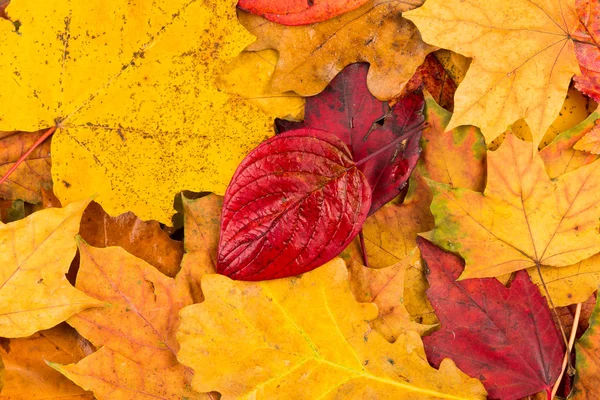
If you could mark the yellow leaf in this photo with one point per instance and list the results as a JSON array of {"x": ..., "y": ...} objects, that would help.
[
  {"x": 35, "y": 255},
  {"x": 523, "y": 218},
  {"x": 455, "y": 64},
  {"x": 112, "y": 376},
  {"x": 591, "y": 141},
  {"x": 249, "y": 75},
  {"x": 523, "y": 58},
  {"x": 307, "y": 337},
  {"x": 310, "y": 56},
  {"x": 131, "y": 85}
]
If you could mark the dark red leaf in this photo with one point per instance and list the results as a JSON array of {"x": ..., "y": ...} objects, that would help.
[
  {"x": 347, "y": 109},
  {"x": 505, "y": 337},
  {"x": 294, "y": 203},
  {"x": 299, "y": 12}
]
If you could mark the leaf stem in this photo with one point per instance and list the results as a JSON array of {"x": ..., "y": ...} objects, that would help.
[
  {"x": 27, "y": 153},
  {"x": 363, "y": 248},
  {"x": 568, "y": 352}
]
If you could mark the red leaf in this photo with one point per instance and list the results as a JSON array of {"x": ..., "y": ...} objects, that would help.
[
  {"x": 587, "y": 37},
  {"x": 506, "y": 337},
  {"x": 366, "y": 125},
  {"x": 299, "y": 12},
  {"x": 294, "y": 203}
]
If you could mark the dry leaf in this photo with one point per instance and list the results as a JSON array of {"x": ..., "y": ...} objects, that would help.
[
  {"x": 505, "y": 81},
  {"x": 587, "y": 379},
  {"x": 523, "y": 219},
  {"x": 296, "y": 338},
  {"x": 139, "y": 115},
  {"x": 27, "y": 374},
  {"x": 591, "y": 141},
  {"x": 312, "y": 55},
  {"x": 35, "y": 254}
]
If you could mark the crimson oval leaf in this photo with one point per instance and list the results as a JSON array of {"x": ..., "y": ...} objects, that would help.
[{"x": 294, "y": 203}]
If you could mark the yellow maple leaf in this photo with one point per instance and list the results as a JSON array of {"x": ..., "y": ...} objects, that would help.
[
  {"x": 310, "y": 56},
  {"x": 523, "y": 219},
  {"x": 131, "y": 86},
  {"x": 35, "y": 255},
  {"x": 305, "y": 337},
  {"x": 523, "y": 58}
]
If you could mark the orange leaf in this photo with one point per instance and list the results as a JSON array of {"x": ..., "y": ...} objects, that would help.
[{"x": 591, "y": 141}]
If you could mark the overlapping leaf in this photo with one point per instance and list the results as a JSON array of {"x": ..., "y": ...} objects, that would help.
[
  {"x": 587, "y": 36},
  {"x": 133, "y": 101},
  {"x": 523, "y": 218},
  {"x": 504, "y": 336},
  {"x": 35, "y": 254},
  {"x": 505, "y": 81},
  {"x": 310, "y": 339},
  {"x": 299, "y": 12},
  {"x": 588, "y": 354},
  {"x": 312, "y": 55}
]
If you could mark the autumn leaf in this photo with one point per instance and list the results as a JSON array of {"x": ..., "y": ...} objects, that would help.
[
  {"x": 136, "y": 327},
  {"x": 505, "y": 81},
  {"x": 433, "y": 77},
  {"x": 294, "y": 203},
  {"x": 35, "y": 254},
  {"x": 27, "y": 373},
  {"x": 587, "y": 36},
  {"x": 26, "y": 182},
  {"x": 312, "y": 55},
  {"x": 523, "y": 218},
  {"x": 588, "y": 354},
  {"x": 590, "y": 142},
  {"x": 299, "y": 12},
  {"x": 504, "y": 336},
  {"x": 129, "y": 95},
  {"x": 310, "y": 338},
  {"x": 456, "y": 65},
  {"x": 367, "y": 125}
]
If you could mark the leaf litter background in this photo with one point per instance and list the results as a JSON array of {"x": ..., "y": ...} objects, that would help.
[{"x": 151, "y": 99}]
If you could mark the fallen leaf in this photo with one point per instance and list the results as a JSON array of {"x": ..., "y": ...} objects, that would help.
[
  {"x": 112, "y": 376},
  {"x": 35, "y": 254},
  {"x": 312, "y": 55},
  {"x": 310, "y": 338},
  {"x": 587, "y": 350},
  {"x": 299, "y": 12},
  {"x": 504, "y": 336},
  {"x": 11, "y": 211},
  {"x": 249, "y": 76},
  {"x": 505, "y": 82},
  {"x": 566, "y": 314},
  {"x": 433, "y": 77},
  {"x": 456, "y": 65},
  {"x": 143, "y": 239},
  {"x": 587, "y": 36},
  {"x": 139, "y": 115},
  {"x": 294, "y": 203},
  {"x": 560, "y": 157},
  {"x": 202, "y": 220},
  {"x": 366, "y": 125},
  {"x": 523, "y": 218},
  {"x": 32, "y": 175},
  {"x": 27, "y": 372},
  {"x": 385, "y": 288},
  {"x": 590, "y": 142}
]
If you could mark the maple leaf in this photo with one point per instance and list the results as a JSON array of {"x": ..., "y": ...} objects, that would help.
[
  {"x": 504, "y": 336},
  {"x": 587, "y": 36},
  {"x": 310, "y": 338},
  {"x": 505, "y": 82},
  {"x": 523, "y": 219},
  {"x": 27, "y": 372},
  {"x": 588, "y": 354},
  {"x": 26, "y": 181},
  {"x": 312, "y": 55},
  {"x": 294, "y": 203},
  {"x": 366, "y": 125},
  {"x": 137, "y": 327},
  {"x": 299, "y": 12},
  {"x": 128, "y": 94},
  {"x": 35, "y": 254}
]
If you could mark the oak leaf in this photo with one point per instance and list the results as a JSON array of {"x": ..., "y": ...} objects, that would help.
[
  {"x": 28, "y": 375},
  {"x": 312, "y": 55},
  {"x": 587, "y": 350},
  {"x": 299, "y": 12},
  {"x": 131, "y": 87},
  {"x": 32, "y": 175},
  {"x": 505, "y": 82},
  {"x": 523, "y": 219},
  {"x": 504, "y": 336},
  {"x": 35, "y": 254},
  {"x": 305, "y": 337}
]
